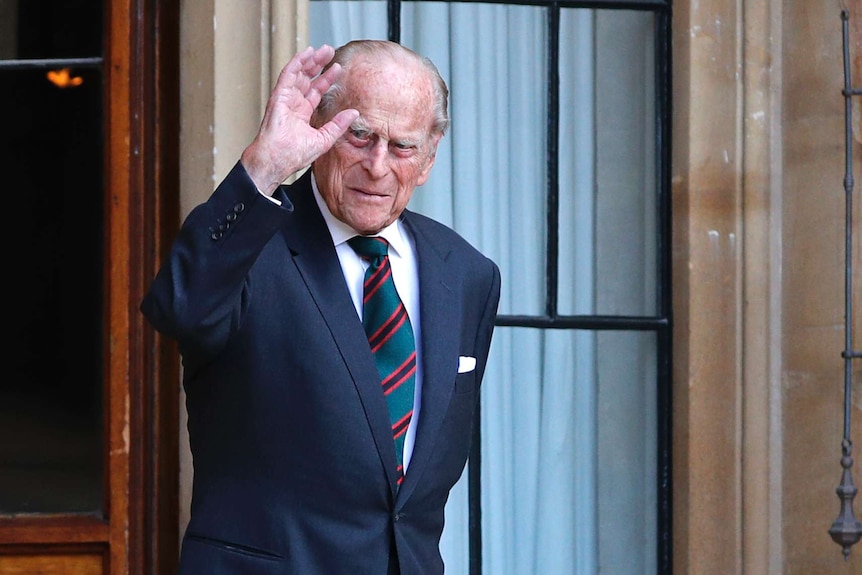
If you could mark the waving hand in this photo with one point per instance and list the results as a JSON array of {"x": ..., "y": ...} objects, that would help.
[{"x": 286, "y": 141}]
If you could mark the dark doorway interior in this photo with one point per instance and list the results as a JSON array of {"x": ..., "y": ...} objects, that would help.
[{"x": 51, "y": 149}]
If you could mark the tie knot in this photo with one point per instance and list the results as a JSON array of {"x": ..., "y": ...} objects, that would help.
[{"x": 372, "y": 248}]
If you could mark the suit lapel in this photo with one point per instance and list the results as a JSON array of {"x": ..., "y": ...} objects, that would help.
[
  {"x": 439, "y": 310},
  {"x": 310, "y": 244}
]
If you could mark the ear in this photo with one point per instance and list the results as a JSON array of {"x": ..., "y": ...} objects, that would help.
[{"x": 429, "y": 162}]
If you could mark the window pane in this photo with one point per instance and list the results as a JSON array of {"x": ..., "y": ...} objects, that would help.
[
  {"x": 51, "y": 392},
  {"x": 568, "y": 453},
  {"x": 336, "y": 22},
  {"x": 627, "y": 447},
  {"x": 608, "y": 236},
  {"x": 50, "y": 29}
]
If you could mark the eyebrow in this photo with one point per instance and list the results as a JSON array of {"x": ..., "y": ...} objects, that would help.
[
  {"x": 361, "y": 126},
  {"x": 358, "y": 124}
]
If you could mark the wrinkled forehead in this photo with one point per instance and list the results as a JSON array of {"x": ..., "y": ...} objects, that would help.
[{"x": 390, "y": 88}]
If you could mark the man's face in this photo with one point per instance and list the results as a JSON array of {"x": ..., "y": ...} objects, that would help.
[{"x": 369, "y": 175}]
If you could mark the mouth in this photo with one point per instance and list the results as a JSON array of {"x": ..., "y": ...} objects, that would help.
[{"x": 369, "y": 194}]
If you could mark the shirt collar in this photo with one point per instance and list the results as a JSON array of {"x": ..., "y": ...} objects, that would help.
[{"x": 394, "y": 233}]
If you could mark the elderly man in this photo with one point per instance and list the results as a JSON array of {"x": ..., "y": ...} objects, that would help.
[{"x": 333, "y": 342}]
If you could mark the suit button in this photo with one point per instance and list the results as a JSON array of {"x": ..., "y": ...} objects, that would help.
[
  {"x": 239, "y": 207},
  {"x": 396, "y": 517}
]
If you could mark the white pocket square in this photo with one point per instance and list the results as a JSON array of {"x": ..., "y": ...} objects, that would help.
[{"x": 466, "y": 363}]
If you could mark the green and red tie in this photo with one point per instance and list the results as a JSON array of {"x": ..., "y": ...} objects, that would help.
[{"x": 390, "y": 336}]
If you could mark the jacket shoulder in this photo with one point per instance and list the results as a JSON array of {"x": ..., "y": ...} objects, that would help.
[{"x": 444, "y": 239}]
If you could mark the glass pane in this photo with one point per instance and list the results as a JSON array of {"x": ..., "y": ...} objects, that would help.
[
  {"x": 51, "y": 152},
  {"x": 336, "y": 22},
  {"x": 627, "y": 446},
  {"x": 50, "y": 29},
  {"x": 568, "y": 453},
  {"x": 608, "y": 234}
]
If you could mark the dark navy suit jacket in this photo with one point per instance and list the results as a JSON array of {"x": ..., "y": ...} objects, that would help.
[{"x": 294, "y": 465}]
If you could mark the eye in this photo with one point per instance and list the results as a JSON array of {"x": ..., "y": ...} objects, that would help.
[
  {"x": 404, "y": 149},
  {"x": 360, "y": 135}
]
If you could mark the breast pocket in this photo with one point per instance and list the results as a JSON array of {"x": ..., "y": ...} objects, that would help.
[{"x": 465, "y": 380}]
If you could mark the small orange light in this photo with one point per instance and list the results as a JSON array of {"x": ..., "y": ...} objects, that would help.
[{"x": 64, "y": 79}]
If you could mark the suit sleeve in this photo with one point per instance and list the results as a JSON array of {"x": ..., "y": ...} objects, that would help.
[{"x": 200, "y": 293}]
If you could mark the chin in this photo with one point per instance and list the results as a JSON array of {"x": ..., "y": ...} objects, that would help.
[
  {"x": 369, "y": 226},
  {"x": 368, "y": 230}
]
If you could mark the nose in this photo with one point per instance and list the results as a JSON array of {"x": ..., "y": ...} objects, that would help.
[{"x": 376, "y": 161}]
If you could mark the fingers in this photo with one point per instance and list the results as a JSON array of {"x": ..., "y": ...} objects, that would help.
[
  {"x": 319, "y": 58},
  {"x": 335, "y": 128},
  {"x": 321, "y": 84},
  {"x": 304, "y": 67}
]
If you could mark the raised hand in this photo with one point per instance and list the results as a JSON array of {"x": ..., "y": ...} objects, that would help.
[{"x": 286, "y": 141}]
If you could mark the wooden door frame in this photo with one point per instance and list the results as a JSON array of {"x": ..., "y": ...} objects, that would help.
[
  {"x": 137, "y": 533},
  {"x": 152, "y": 206}
]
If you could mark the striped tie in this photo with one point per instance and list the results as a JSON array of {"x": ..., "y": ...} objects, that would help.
[{"x": 390, "y": 336}]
